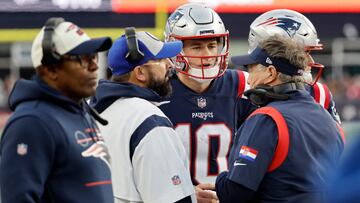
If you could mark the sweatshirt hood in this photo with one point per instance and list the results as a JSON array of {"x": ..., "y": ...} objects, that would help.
[
  {"x": 36, "y": 90},
  {"x": 108, "y": 92}
]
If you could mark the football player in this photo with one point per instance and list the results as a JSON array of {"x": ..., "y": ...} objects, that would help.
[
  {"x": 207, "y": 103},
  {"x": 296, "y": 26}
]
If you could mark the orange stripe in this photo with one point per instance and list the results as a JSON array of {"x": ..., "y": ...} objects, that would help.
[
  {"x": 90, "y": 130},
  {"x": 106, "y": 182},
  {"x": 327, "y": 96},
  {"x": 241, "y": 86},
  {"x": 282, "y": 147},
  {"x": 89, "y": 139},
  {"x": 342, "y": 134},
  {"x": 316, "y": 93}
]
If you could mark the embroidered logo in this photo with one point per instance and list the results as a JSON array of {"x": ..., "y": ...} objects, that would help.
[
  {"x": 98, "y": 150},
  {"x": 201, "y": 102},
  {"x": 176, "y": 180},
  {"x": 82, "y": 139},
  {"x": 22, "y": 149},
  {"x": 268, "y": 61}
]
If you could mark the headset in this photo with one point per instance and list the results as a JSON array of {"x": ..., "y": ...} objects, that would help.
[
  {"x": 134, "y": 55},
  {"x": 50, "y": 56},
  {"x": 261, "y": 95}
]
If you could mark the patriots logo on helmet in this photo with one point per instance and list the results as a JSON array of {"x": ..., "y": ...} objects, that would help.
[
  {"x": 287, "y": 24},
  {"x": 174, "y": 18}
]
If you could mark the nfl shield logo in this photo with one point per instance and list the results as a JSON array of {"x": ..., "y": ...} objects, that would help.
[
  {"x": 201, "y": 102},
  {"x": 22, "y": 149},
  {"x": 176, "y": 180}
]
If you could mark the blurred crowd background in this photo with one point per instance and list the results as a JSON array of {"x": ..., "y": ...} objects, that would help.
[{"x": 337, "y": 23}]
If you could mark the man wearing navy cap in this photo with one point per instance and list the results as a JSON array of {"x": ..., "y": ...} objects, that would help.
[
  {"x": 149, "y": 162},
  {"x": 281, "y": 152},
  {"x": 51, "y": 149}
]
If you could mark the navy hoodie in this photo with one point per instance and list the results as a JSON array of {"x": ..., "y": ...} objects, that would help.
[{"x": 51, "y": 151}]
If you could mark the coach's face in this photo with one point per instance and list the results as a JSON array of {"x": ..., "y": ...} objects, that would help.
[
  {"x": 257, "y": 75},
  {"x": 77, "y": 76},
  {"x": 158, "y": 75}
]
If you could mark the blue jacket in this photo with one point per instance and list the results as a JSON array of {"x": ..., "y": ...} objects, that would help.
[
  {"x": 315, "y": 146},
  {"x": 45, "y": 155}
]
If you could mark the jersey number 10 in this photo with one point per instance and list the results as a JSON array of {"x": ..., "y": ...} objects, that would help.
[{"x": 207, "y": 153}]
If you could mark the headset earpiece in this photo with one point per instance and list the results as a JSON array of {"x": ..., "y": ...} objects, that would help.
[
  {"x": 134, "y": 54},
  {"x": 257, "y": 96},
  {"x": 50, "y": 56}
]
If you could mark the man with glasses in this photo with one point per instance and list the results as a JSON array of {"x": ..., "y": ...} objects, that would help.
[{"x": 51, "y": 149}]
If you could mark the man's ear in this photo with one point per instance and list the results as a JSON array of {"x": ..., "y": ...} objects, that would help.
[
  {"x": 50, "y": 71},
  {"x": 140, "y": 74},
  {"x": 272, "y": 74}
]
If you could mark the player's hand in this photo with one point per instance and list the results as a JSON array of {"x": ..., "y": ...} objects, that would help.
[{"x": 205, "y": 193}]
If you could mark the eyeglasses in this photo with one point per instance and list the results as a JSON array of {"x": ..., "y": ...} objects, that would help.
[{"x": 84, "y": 60}]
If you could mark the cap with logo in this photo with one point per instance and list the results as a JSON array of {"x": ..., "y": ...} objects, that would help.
[
  {"x": 151, "y": 47},
  {"x": 260, "y": 56},
  {"x": 68, "y": 38}
]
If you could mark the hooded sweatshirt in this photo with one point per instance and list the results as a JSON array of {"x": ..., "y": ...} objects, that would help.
[
  {"x": 149, "y": 163},
  {"x": 51, "y": 149}
]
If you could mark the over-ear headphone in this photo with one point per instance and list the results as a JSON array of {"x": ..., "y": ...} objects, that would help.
[
  {"x": 50, "y": 56},
  {"x": 134, "y": 55},
  {"x": 263, "y": 94}
]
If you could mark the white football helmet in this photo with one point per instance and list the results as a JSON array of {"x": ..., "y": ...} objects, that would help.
[
  {"x": 197, "y": 21},
  {"x": 287, "y": 23}
]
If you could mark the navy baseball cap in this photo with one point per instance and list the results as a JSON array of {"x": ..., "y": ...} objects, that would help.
[
  {"x": 260, "y": 56},
  {"x": 149, "y": 45}
]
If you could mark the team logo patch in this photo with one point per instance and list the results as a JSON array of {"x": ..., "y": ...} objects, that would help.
[
  {"x": 248, "y": 153},
  {"x": 98, "y": 150},
  {"x": 201, "y": 102},
  {"x": 287, "y": 24},
  {"x": 72, "y": 27},
  {"x": 176, "y": 180},
  {"x": 82, "y": 139},
  {"x": 22, "y": 149}
]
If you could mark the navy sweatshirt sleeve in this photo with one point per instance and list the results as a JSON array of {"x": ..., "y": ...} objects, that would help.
[
  {"x": 243, "y": 109},
  {"x": 27, "y": 151},
  {"x": 229, "y": 191}
]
